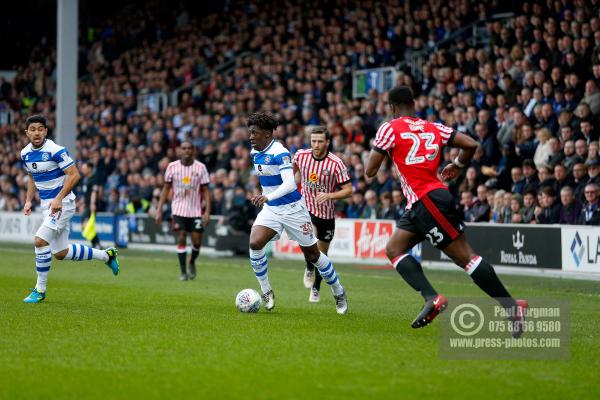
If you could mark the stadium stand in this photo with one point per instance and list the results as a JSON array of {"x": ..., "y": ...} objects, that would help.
[{"x": 526, "y": 87}]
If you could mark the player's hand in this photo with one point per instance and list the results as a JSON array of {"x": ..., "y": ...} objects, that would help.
[
  {"x": 55, "y": 206},
  {"x": 258, "y": 200},
  {"x": 27, "y": 208},
  {"x": 322, "y": 197},
  {"x": 450, "y": 172},
  {"x": 158, "y": 218},
  {"x": 205, "y": 219}
]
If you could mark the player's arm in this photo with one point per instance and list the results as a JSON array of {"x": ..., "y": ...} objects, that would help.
[
  {"x": 71, "y": 181},
  {"x": 29, "y": 195},
  {"x": 164, "y": 194},
  {"x": 287, "y": 186},
  {"x": 375, "y": 160},
  {"x": 344, "y": 192},
  {"x": 206, "y": 197},
  {"x": 297, "y": 174},
  {"x": 383, "y": 144},
  {"x": 468, "y": 146}
]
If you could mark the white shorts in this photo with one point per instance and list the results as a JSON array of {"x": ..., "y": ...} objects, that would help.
[
  {"x": 297, "y": 225},
  {"x": 55, "y": 230}
]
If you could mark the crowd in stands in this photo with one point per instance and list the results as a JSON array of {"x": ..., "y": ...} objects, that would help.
[{"x": 530, "y": 96}]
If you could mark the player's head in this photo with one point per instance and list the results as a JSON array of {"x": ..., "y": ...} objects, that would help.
[
  {"x": 401, "y": 101},
  {"x": 187, "y": 151},
  {"x": 36, "y": 129},
  {"x": 319, "y": 140},
  {"x": 260, "y": 129}
]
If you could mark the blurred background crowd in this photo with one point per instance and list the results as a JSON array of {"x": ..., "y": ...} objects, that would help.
[{"x": 530, "y": 95}]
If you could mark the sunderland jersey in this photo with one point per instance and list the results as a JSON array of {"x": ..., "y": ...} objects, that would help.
[
  {"x": 323, "y": 175},
  {"x": 46, "y": 165},
  {"x": 415, "y": 146},
  {"x": 268, "y": 165},
  {"x": 187, "y": 181}
]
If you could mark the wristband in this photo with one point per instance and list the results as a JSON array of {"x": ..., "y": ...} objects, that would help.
[{"x": 458, "y": 163}]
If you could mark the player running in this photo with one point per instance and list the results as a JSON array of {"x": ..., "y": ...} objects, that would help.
[
  {"x": 415, "y": 146},
  {"x": 283, "y": 208},
  {"x": 188, "y": 178},
  {"x": 54, "y": 174},
  {"x": 320, "y": 173}
]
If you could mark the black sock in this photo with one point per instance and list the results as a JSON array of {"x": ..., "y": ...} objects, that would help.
[
  {"x": 310, "y": 266},
  {"x": 485, "y": 277},
  {"x": 195, "y": 253},
  {"x": 412, "y": 272},
  {"x": 318, "y": 280},
  {"x": 182, "y": 256}
]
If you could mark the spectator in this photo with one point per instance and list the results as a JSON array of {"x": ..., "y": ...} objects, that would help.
[
  {"x": 580, "y": 179},
  {"x": 358, "y": 205},
  {"x": 506, "y": 215},
  {"x": 489, "y": 145},
  {"x": 529, "y": 207},
  {"x": 531, "y": 179},
  {"x": 590, "y": 213},
  {"x": 571, "y": 158},
  {"x": 570, "y": 207},
  {"x": 543, "y": 152},
  {"x": 516, "y": 208},
  {"x": 561, "y": 177},
  {"x": 518, "y": 182},
  {"x": 481, "y": 207},
  {"x": 399, "y": 204},
  {"x": 468, "y": 206},
  {"x": 550, "y": 209},
  {"x": 387, "y": 208},
  {"x": 371, "y": 210},
  {"x": 592, "y": 97},
  {"x": 588, "y": 131}
]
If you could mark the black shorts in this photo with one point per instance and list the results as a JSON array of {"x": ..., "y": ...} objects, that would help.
[
  {"x": 325, "y": 228},
  {"x": 434, "y": 218},
  {"x": 188, "y": 224}
]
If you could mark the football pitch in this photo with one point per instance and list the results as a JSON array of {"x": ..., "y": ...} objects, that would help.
[{"x": 145, "y": 335}]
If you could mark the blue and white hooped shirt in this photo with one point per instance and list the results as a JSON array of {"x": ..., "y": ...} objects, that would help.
[
  {"x": 46, "y": 165},
  {"x": 268, "y": 165}
]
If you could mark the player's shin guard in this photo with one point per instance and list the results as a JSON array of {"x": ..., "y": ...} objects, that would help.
[
  {"x": 260, "y": 265},
  {"x": 195, "y": 252},
  {"x": 43, "y": 258},
  {"x": 329, "y": 275},
  {"x": 412, "y": 272},
  {"x": 485, "y": 277},
  {"x": 79, "y": 252},
  {"x": 182, "y": 255}
]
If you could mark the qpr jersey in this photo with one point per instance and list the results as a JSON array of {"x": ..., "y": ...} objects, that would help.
[
  {"x": 46, "y": 165},
  {"x": 415, "y": 146},
  {"x": 268, "y": 165}
]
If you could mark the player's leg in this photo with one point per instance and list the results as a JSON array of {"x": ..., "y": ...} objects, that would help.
[
  {"x": 266, "y": 227},
  {"x": 325, "y": 230},
  {"x": 196, "y": 243},
  {"x": 484, "y": 276},
  {"x": 43, "y": 259},
  {"x": 63, "y": 250},
  {"x": 309, "y": 272},
  {"x": 315, "y": 290},
  {"x": 180, "y": 228}
]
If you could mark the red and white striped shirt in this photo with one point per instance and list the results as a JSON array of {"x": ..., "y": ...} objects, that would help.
[
  {"x": 322, "y": 175},
  {"x": 187, "y": 181},
  {"x": 416, "y": 147}
]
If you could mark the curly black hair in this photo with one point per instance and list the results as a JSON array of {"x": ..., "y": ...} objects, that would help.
[
  {"x": 263, "y": 120},
  {"x": 36, "y": 118}
]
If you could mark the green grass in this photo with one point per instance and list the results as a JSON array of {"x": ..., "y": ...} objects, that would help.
[{"x": 146, "y": 335}]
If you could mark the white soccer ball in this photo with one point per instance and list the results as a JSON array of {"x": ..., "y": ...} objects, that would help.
[{"x": 248, "y": 301}]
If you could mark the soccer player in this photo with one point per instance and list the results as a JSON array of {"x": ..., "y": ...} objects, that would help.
[
  {"x": 415, "y": 147},
  {"x": 320, "y": 173},
  {"x": 54, "y": 174},
  {"x": 283, "y": 208},
  {"x": 188, "y": 178}
]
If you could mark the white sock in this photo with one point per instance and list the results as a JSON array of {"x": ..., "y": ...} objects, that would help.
[
  {"x": 260, "y": 265},
  {"x": 43, "y": 258},
  {"x": 79, "y": 252},
  {"x": 329, "y": 275}
]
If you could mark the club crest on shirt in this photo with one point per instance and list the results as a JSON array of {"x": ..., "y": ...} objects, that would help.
[
  {"x": 285, "y": 160},
  {"x": 313, "y": 177},
  {"x": 267, "y": 159},
  {"x": 325, "y": 172},
  {"x": 45, "y": 157}
]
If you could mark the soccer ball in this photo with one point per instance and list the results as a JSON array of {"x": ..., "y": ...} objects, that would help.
[{"x": 248, "y": 301}]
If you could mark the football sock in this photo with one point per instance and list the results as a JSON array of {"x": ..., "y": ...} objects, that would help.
[
  {"x": 310, "y": 266},
  {"x": 412, "y": 272},
  {"x": 260, "y": 265},
  {"x": 182, "y": 255},
  {"x": 195, "y": 252},
  {"x": 79, "y": 252},
  {"x": 43, "y": 258},
  {"x": 485, "y": 277},
  {"x": 328, "y": 273}
]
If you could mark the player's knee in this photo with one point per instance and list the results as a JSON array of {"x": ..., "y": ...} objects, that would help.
[
  {"x": 196, "y": 245},
  {"x": 392, "y": 252},
  {"x": 312, "y": 254},
  {"x": 255, "y": 244},
  {"x": 61, "y": 255},
  {"x": 39, "y": 242}
]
